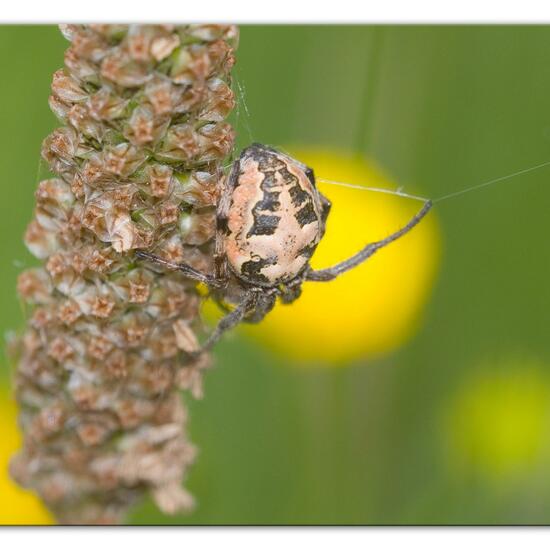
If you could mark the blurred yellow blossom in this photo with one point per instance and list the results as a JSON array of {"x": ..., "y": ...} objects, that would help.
[
  {"x": 374, "y": 308},
  {"x": 498, "y": 424},
  {"x": 17, "y": 506}
]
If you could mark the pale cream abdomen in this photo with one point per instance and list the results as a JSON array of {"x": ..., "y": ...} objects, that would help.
[{"x": 274, "y": 224}]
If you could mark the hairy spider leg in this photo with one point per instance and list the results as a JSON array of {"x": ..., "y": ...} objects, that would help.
[
  {"x": 331, "y": 273},
  {"x": 231, "y": 320},
  {"x": 187, "y": 270},
  {"x": 253, "y": 299}
]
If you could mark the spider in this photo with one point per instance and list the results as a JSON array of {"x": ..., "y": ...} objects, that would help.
[{"x": 270, "y": 219}]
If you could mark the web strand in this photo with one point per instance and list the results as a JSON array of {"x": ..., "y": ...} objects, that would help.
[
  {"x": 400, "y": 193},
  {"x": 242, "y": 100},
  {"x": 491, "y": 182},
  {"x": 396, "y": 192}
]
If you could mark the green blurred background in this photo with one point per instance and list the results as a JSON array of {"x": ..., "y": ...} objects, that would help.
[{"x": 396, "y": 440}]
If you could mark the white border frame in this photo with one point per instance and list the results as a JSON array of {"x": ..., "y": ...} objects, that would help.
[{"x": 277, "y": 11}]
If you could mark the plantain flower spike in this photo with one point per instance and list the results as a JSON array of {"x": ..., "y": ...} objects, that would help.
[{"x": 109, "y": 341}]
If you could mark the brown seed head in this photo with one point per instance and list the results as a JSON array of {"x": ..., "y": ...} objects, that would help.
[{"x": 110, "y": 338}]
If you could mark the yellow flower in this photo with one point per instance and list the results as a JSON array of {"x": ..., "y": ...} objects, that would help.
[
  {"x": 17, "y": 506},
  {"x": 498, "y": 425},
  {"x": 374, "y": 308}
]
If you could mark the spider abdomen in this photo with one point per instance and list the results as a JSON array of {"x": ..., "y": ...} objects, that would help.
[{"x": 275, "y": 217}]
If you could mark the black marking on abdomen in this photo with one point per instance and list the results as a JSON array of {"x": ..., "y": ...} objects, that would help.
[
  {"x": 306, "y": 215},
  {"x": 297, "y": 195},
  {"x": 263, "y": 225},
  {"x": 307, "y": 251},
  {"x": 268, "y": 159},
  {"x": 251, "y": 269},
  {"x": 266, "y": 224},
  {"x": 270, "y": 199}
]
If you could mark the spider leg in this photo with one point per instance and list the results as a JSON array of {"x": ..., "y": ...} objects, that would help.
[
  {"x": 332, "y": 272},
  {"x": 263, "y": 305},
  {"x": 187, "y": 270},
  {"x": 232, "y": 319}
]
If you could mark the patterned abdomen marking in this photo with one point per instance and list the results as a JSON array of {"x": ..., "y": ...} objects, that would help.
[{"x": 275, "y": 218}]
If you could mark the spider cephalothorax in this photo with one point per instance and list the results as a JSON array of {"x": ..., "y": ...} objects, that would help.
[{"x": 270, "y": 219}]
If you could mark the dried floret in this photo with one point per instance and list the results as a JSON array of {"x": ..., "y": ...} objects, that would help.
[{"x": 110, "y": 342}]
